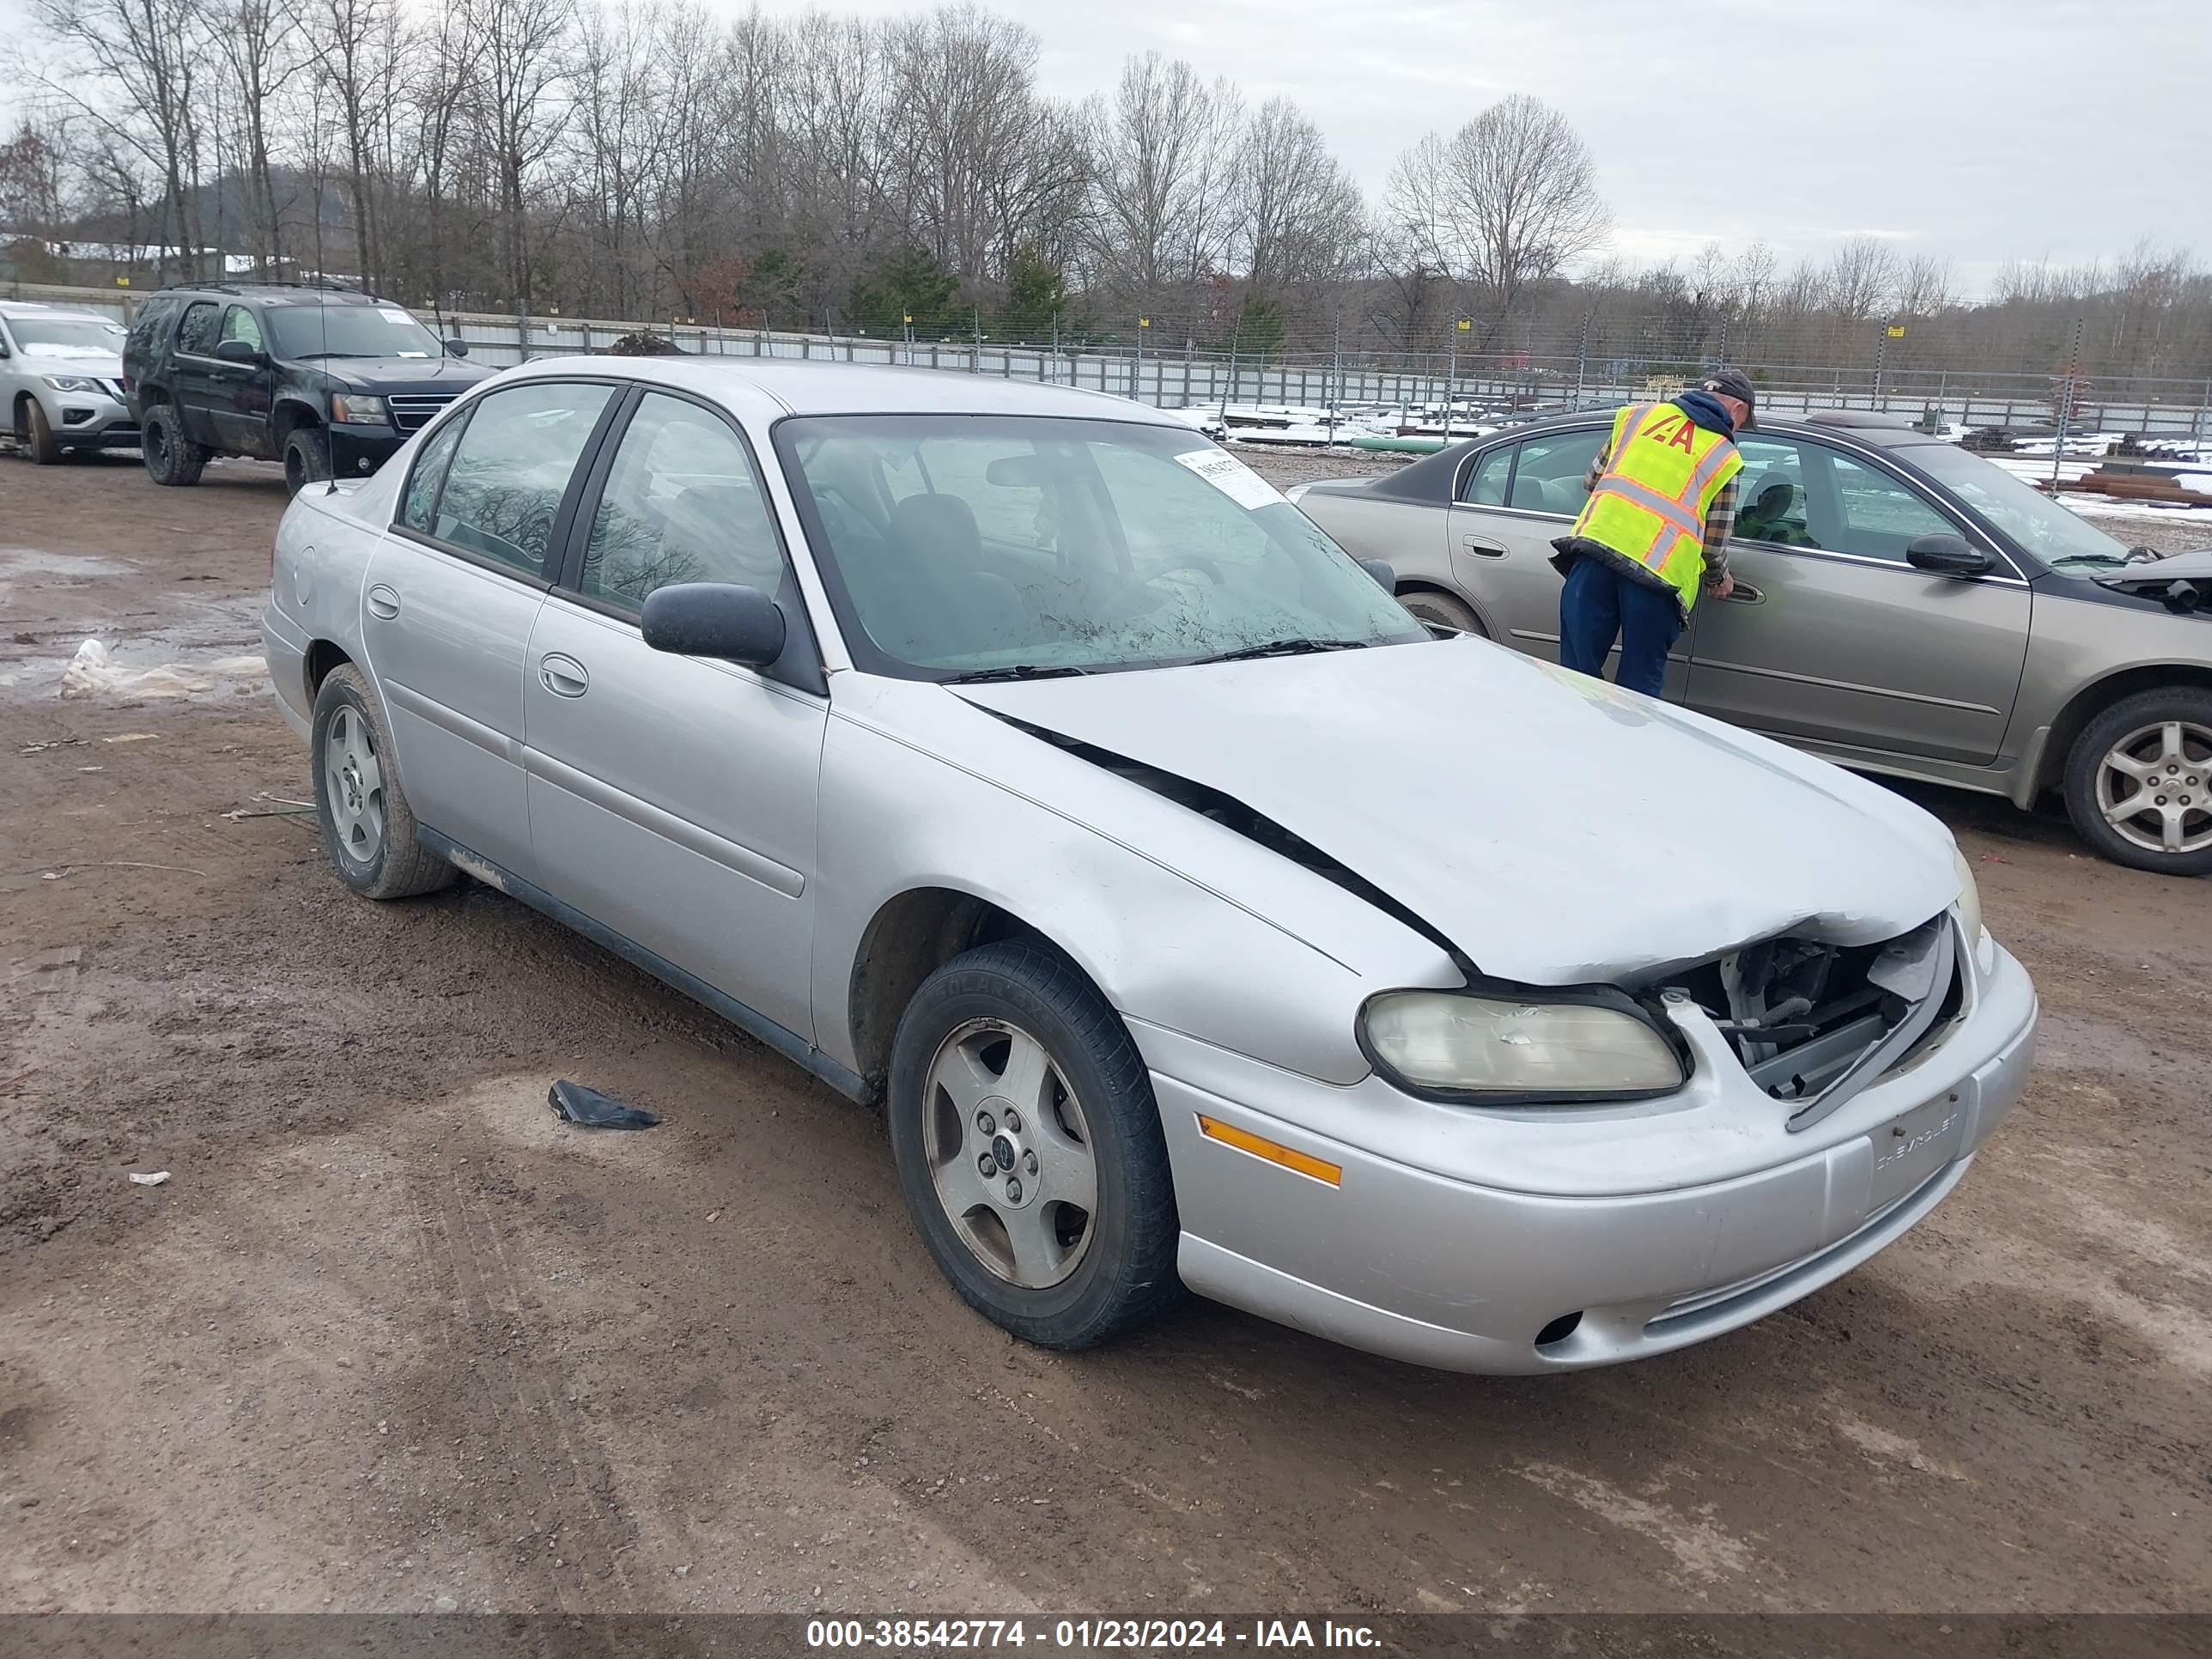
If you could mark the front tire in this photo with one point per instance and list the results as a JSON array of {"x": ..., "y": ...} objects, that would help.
[
  {"x": 1007, "y": 1055},
  {"x": 2138, "y": 781},
  {"x": 46, "y": 450},
  {"x": 172, "y": 459},
  {"x": 368, "y": 831},
  {"x": 306, "y": 457}
]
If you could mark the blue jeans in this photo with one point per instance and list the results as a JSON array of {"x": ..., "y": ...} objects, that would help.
[{"x": 1599, "y": 604}]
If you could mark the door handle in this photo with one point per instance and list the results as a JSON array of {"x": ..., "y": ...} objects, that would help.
[
  {"x": 1745, "y": 593},
  {"x": 383, "y": 602},
  {"x": 564, "y": 676},
  {"x": 1482, "y": 549}
]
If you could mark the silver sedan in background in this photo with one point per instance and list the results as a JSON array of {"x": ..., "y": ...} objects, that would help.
[
  {"x": 1015, "y": 757},
  {"x": 1901, "y": 606}
]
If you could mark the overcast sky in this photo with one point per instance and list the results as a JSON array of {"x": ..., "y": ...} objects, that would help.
[{"x": 1981, "y": 130}]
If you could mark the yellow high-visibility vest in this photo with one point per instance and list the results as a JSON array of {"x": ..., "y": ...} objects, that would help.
[{"x": 1651, "y": 506}]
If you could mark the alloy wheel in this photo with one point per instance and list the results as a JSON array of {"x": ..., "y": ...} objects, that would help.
[
  {"x": 1010, "y": 1154},
  {"x": 353, "y": 783},
  {"x": 2155, "y": 786}
]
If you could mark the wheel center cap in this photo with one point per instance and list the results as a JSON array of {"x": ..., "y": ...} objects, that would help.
[{"x": 1002, "y": 1152}]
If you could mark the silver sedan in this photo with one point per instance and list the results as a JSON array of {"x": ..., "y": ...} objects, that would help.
[{"x": 1015, "y": 757}]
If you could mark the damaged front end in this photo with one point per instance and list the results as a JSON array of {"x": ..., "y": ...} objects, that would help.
[{"x": 1814, "y": 1023}]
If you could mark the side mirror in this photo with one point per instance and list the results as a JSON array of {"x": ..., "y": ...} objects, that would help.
[
  {"x": 1381, "y": 570},
  {"x": 236, "y": 351},
  {"x": 714, "y": 619},
  {"x": 456, "y": 348},
  {"x": 1946, "y": 555},
  {"x": 4, "y": 352}
]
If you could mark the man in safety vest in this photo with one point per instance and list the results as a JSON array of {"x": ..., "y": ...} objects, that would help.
[{"x": 1655, "y": 531}]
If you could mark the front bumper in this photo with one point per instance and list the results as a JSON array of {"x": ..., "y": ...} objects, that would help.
[
  {"x": 89, "y": 420},
  {"x": 358, "y": 450},
  {"x": 1463, "y": 1275}
]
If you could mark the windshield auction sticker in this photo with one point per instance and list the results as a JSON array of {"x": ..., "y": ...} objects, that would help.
[{"x": 1230, "y": 476}]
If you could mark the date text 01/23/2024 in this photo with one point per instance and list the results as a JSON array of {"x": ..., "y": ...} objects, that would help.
[{"x": 938, "y": 1635}]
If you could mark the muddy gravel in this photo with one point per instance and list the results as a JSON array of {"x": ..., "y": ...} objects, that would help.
[{"x": 392, "y": 1337}]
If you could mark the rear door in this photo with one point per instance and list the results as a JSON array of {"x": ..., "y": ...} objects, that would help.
[
  {"x": 672, "y": 798},
  {"x": 453, "y": 591},
  {"x": 1832, "y": 637},
  {"x": 195, "y": 384},
  {"x": 1514, "y": 500}
]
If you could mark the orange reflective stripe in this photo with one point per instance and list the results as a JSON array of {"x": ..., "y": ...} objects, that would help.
[
  {"x": 1665, "y": 508},
  {"x": 1718, "y": 457}
]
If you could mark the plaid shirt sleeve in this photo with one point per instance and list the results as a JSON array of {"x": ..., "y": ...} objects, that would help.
[{"x": 1720, "y": 524}]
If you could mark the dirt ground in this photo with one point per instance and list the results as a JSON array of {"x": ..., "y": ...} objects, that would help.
[{"x": 391, "y": 1337}]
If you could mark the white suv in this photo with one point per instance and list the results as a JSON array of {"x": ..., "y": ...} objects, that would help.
[{"x": 61, "y": 378}]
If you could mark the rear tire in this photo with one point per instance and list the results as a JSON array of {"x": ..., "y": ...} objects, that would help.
[
  {"x": 172, "y": 459},
  {"x": 368, "y": 831},
  {"x": 2152, "y": 751},
  {"x": 306, "y": 457},
  {"x": 46, "y": 451},
  {"x": 1445, "y": 611},
  {"x": 1020, "y": 1245}
]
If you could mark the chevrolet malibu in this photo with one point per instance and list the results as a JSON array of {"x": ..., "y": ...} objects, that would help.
[{"x": 1014, "y": 757}]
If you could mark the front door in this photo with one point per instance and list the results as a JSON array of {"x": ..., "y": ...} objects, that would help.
[
  {"x": 240, "y": 401},
  {"x": 672, "y": 798},
  {"x": 453, "y": 592},
  {"x": 1514, "y": 502},
  {"x": 1833, "y": 638}
]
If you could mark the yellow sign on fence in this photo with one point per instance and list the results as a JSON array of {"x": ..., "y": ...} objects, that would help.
[{"x": 1897, "y": 331}]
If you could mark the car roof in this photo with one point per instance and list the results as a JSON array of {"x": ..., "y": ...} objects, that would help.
[
  {"x": 40, "y": 309},
  {"x": 1431, "y": 478},
  {"x": 775, "y": 385},
  {"x": 300, "y": 291}
]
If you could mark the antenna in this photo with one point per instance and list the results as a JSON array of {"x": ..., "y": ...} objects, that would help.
[{"x": 323, "y": 316}]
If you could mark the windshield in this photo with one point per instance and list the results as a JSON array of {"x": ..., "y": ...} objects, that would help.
[
  {"x": 2053, "y": 534},
  {"x": 312, "y": 329},
  {"x": 68, "y": 336},
  {"x": 963, "y": 544}
]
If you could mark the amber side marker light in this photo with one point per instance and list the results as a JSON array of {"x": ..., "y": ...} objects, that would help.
[{"x": 1273, "y": 1151}]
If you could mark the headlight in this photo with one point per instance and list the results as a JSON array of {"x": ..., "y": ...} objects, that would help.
[
  {"x": 1498, "y": 1049},
  {"x": 352, "y": 409},
  {"x": 72, "y": 383},
  {"x": 1970, "y": 902}
]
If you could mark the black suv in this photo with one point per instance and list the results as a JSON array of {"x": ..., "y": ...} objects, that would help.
[{"x": 329, "y": 381}]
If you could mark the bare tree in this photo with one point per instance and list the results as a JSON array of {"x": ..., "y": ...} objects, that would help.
[
  {"x": 1299, "y": 216},
  {"x": 515, "y": 45},
  {"x": 1163, "y": 151},
  {"x": 257, "y": 44},
  {"x": 1923, "y": 285},
  {"x": 154, "y": 52},
  {"x": 1509, "y": 199},
  {"x": 1860, "y": 281}
]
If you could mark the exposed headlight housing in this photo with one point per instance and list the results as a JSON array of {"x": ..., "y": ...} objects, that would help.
[
  {"x": 354, "y": 408},
  {"x": 72, "y": 383},
  {"x": 1497, "y": 1046},
  {"x": 1971, "y": 924}
]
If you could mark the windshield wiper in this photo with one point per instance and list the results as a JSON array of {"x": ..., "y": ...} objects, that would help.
[
  {"x": 1015, "y": 670},
  {"x": 1286, "y": 648}
]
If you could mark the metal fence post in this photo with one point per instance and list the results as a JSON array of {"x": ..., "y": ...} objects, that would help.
[{"x": 2065, "y": 404}]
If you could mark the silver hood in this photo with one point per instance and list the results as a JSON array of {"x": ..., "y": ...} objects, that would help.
[{"x": 1553, "y": 829}]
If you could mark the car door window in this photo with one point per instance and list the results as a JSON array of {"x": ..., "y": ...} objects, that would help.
[
  {"x": 683, "y": 503},
  {"x": 1876, "y": 515},
  {"x": 1548, "y": 478},
  {"x": 196, "y": 334},
  {"x": 1485, "y": 485},
  {"x": 418, "y": 507},
  {"x": 240, "y": 324},
  {"x": 511, "y": 468},
  {"x": 1770, "y": 499}
]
